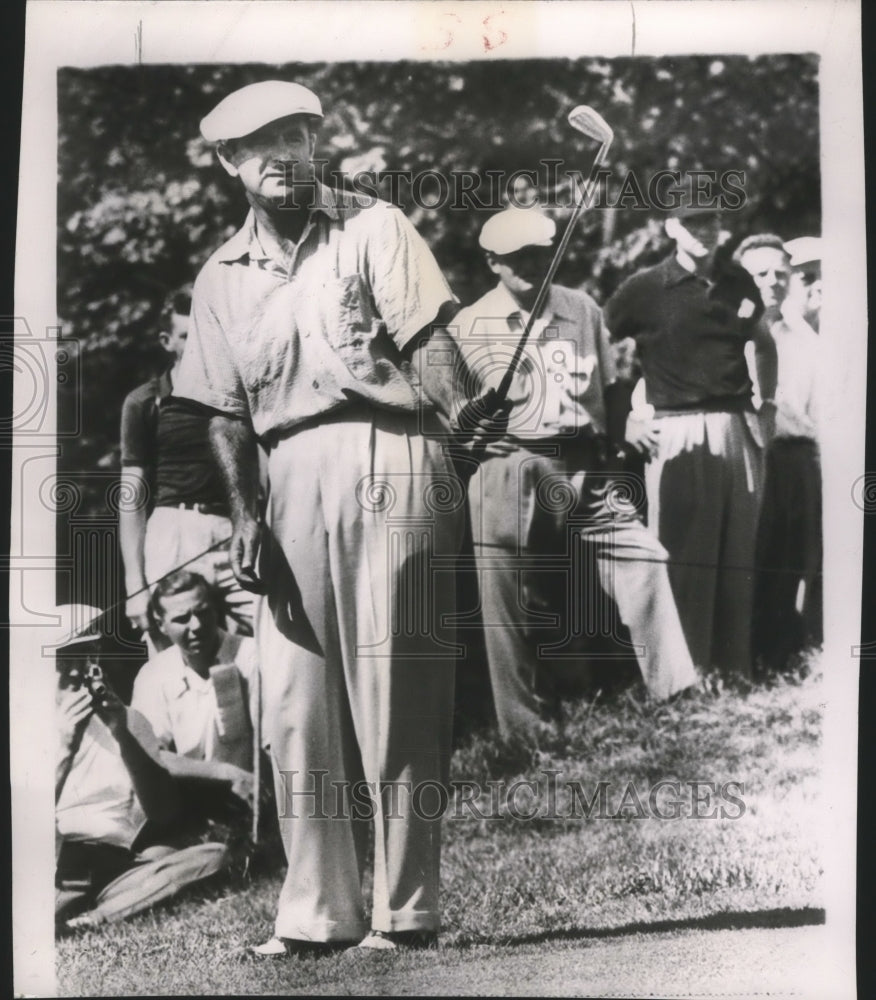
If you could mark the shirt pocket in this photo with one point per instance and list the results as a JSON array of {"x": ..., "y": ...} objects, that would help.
[{"x": 350, "y": 324}]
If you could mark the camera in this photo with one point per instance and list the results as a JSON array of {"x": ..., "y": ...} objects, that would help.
[{"x": 87, "y": 675}]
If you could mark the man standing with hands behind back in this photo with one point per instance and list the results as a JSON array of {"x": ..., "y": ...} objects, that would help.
[{"x": 317, "y": 331}]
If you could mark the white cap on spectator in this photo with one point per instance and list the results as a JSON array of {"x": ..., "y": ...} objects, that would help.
[
  {"x": 804, "y": 250},
  {"x": 249, "y": 108},
  {"x": 80, "y": 623},
  {"x": 515, "y": 228}
]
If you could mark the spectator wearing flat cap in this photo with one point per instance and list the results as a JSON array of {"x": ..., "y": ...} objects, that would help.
[
  {"x": 312, "y": 332},
  {"x": 804, "y": 291},
  {"x": 115, "y": 804},
  {"x": 787, "y": 614},
  {"x": 691, "y": 317},
  {"x": 546, "y": 496}
]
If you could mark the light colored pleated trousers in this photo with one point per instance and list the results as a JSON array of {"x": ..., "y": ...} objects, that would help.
[
  {"x": 187, "y": 539},
  {"x": 704, "y": 493},
  {"x": 358, "y": 668},
  {"x": 533, "y": 517}
]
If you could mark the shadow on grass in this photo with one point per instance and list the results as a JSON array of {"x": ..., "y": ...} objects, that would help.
[{"x": 735, "y": 920}]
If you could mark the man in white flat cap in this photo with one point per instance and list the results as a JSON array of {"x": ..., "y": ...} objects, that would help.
[
  {"x": 546, "y": 500},
  {"x": 316, "y": 332},
  {"x": 804, "y": 291}
]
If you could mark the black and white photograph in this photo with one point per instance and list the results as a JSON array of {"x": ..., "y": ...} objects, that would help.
[{"x": 438, "y": 494}]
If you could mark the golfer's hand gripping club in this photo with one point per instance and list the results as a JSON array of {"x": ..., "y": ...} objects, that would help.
[
  {"x": 483, "y": 418},
  {"x": 480, "y": 420}
]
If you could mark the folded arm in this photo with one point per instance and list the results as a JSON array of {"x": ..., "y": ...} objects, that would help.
[{"x": 240, "y": 782}]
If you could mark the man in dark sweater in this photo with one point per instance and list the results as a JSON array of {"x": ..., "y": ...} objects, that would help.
[
  {"x": 691, "y": 322},
  {"x": 174, "y": 512}
]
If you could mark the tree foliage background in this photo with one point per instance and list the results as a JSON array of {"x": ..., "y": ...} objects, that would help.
[{"x": 142, "y": 201}]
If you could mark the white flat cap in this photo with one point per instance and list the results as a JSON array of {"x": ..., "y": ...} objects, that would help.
[
  {"x": 515, "y": 228},
  {"x": 249, "y": 108},
  {"x": 804, "y": 250},
  {"x": 79, "y": 623}
]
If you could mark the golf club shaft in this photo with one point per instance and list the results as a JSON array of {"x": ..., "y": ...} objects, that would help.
[
  {"x": 538, "y": 305},
  {"x": 256, "y": 757}
]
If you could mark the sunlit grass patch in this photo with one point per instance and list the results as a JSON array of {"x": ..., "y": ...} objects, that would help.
[{"x": 628, "y": 863}]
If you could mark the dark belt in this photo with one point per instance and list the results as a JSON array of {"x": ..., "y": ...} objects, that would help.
[
  {"x": 219, "y": 509},
  {"x": 90, "y": 865},
  {"x": 727, "y": 404},
  {"x": 422, "y": 421},
  {"x": 583, "y": 450}
]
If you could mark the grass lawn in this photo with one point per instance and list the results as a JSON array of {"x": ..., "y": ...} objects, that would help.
[{"x": 512, "y": 881}]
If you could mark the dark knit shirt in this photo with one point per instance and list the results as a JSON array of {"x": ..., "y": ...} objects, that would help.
[{"x": 690, "y": 333}]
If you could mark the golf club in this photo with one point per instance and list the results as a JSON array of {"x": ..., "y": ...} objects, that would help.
[{"x": 590, "y": 123}]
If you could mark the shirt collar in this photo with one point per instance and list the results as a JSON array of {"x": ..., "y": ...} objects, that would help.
[
  {"x": 188, "y": 679},
  {"x": 673, "y": 272},
  {"x": 503, "y": 302},
  {"x": 163, "y": 383},
  {"x": 793, "y": 321},
  {"x": 195, "y": 681},
  {"x": 245, "y": 242}
]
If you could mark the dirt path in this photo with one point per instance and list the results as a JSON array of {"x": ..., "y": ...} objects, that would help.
[{"x": 779, "y": 962}]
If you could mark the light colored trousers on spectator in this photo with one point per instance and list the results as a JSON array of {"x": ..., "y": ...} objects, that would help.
[
  {"x": 704, "y": 493},
  {"x": 155, "y": 874},
  {"x": 533, "y": 516},
  {"x": 177, "y": 538},
  {"x": 358, "y": 667}
]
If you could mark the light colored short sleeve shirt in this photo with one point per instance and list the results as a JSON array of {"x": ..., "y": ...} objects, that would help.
[
  {"x": 286, "y": 335},
  {"x": 98, "y": 801},
  {"x": 180, "y": 705},
  {"x": 567, "y": 362},
  {"x": 798, "y": 349}
]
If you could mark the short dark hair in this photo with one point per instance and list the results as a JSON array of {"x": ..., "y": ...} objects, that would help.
[
  {"x": 180, "y": 582},
  {"x": 178, "y": 303},
  {"x": 758, "y": 242}
]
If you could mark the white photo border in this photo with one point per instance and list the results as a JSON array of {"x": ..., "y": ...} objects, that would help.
[{"x": 89, "y": 33}]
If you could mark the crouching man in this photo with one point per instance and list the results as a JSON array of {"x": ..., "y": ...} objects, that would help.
[
  {"x": 116, "y": 806},
  {"x": 200, "y": 696}
]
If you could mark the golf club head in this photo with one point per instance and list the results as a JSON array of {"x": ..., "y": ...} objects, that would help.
[{"x": 590, "y": 123}]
